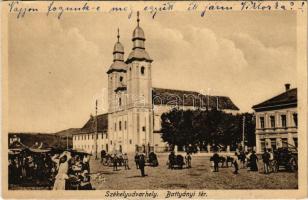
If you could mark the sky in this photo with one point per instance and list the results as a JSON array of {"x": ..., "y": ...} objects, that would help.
[{"x": 57, "y": 68}]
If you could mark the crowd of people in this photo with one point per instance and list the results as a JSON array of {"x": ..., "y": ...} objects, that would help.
[
  {"x": 25, "y": 167},
  {"x": 121, "y": 160},
  {"x": 244, "y": 160},
  {"x": 177, "y": 161},
  {"x": 59, "y": 171},
  {"x": 71, "y": 171}
]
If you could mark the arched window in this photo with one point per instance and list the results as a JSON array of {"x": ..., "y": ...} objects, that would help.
[
  {"x": 142, "y": 69},
  {"x": 121, "y": 78},
  {"x": 120, "y": 101},
  {"x": 120, "y": 125}
]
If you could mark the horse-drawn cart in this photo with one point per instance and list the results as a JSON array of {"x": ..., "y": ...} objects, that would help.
[{"x": 286, "y": 158}]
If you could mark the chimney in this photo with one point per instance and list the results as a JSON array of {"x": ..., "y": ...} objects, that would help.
[{"x": 287, "y": 86}]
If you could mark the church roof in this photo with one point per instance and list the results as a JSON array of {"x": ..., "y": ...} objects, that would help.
[
  {"x": 138, "y": 33},
  {"x": 102, "y": 124},
  {"x": 285, "y": 99},
  {"x": 118, "y": 66},
  {"x": 138, "y": 54},
  {"x": 191, "y": 98},
  {"x": 118, "y": 48}
]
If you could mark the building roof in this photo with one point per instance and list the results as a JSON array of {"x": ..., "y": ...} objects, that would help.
[
  {"x": 138, "y": 33},
  {"x": 90, "y": 126},
  {"x": 285, "y": 99},
  {"x": 191, "y": 98},
  {"x": 118, "y": 48},
  {"x": 117, "y": 66},
  {"x": 138, "y": 54}
]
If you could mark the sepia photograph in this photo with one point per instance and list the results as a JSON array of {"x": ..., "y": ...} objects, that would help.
[{"x": 174, "y": 101}]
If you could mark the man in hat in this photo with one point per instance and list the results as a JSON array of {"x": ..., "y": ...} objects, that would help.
[
  {"x": 115, "y": 162},
  {"x": 141, "y": 163},
  {"x": 266, "y": 160},
  {"x": 216, "y": 161},
  {"x": 125, "y": 159},
  {"x": 137, "y": 160}
]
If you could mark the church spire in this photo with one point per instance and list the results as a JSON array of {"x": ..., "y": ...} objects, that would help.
[
  {"x": 138, "y": 35},
  {"x": 118, "y": 50},
  {"x": 138, "y": 52},
  {"x": 138, "y": 20},
  {"x": 118, "y": 56}
]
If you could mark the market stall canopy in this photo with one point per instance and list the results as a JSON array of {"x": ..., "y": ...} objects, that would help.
[{"x": 17, "y": 146}]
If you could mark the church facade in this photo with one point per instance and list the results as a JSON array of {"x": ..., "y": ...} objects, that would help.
[{"x": 135, "y": 106}]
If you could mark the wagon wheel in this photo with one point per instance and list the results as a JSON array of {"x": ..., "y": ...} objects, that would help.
[
  {"x": 105, "y": 162},
  {"x": 275, "y": 166},
  {"x": 292, "y": 165}
]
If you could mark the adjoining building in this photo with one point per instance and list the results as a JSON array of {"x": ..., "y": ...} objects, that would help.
[
  {"x": 276, "y": 121},
  {"x": 133, "y": 121}
]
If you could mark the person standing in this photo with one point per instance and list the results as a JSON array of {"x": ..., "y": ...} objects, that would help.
[
  {"x": 188, "y": 160},
  {"x": 243, "y": 159},
  {"x": 125, "y": 159},
  {"x": 235, "y": 163},
  {"x": 253, "y": 161},
  {"x": 266, "y": 160},
  {"x": 137, "y": 160},
  {"x": 115, "y": 162},
  {"x": 171, "y": 159},
  {"x": 141, "y": 163},
  {"x": 85, "y": 161},
  {"x": 216, "y": 161},
  {"x": 271, "y": 160},
  {"x": 62, "y": 174}
]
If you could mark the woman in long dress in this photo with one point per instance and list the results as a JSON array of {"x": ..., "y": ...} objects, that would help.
[
  {"x": 62, "y": 174},
  {"x": 253, "y": 162}
]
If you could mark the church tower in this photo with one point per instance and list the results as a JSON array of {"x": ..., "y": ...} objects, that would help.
[
  {"x": 117, "y": 98},
  {"x": 139, "y": 84}
]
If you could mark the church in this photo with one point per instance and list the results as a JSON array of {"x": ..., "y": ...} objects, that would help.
[{"x": 133, "y": 121}]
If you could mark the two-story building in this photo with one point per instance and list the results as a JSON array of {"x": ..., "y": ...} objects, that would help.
[{"x": 276, "y": 121}]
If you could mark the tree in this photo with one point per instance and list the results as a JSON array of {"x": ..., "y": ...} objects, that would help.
[{"x": 198, "y": 128}]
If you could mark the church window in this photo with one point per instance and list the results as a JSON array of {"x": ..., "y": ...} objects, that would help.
[
  {"x": 143, "y": 128},
  {"x": 120, "y": 101},
  {"x": 130, "y": 141},
  {"x": 110, "y": 141},
  {"x": 102, "y": 135},
  {"x": 120, "y": 125},
  {"x": 142, "y": 69},
  {"x": 88, "y": 136},
  {"x": 121, "y": 78}
]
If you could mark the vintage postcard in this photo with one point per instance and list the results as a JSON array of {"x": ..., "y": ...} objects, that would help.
[{"x": 154, "y": 99}]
